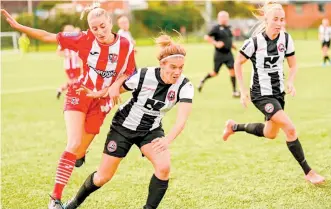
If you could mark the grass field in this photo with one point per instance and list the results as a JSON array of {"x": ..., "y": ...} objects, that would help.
[{"x": 207, "y": 173}]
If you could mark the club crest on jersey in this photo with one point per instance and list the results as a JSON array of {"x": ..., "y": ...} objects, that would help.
[
  {"x": 269, "y": 108},
  {"x": 113, "y": 58},
  {"x": 74, "y": 101},
  {"x": 281, "y": 47},
  {"x": 112, "y": 146},
  {"x": 171, "y": 95}
]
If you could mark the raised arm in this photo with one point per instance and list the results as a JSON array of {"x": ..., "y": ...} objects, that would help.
[{"x": 41, "y": 35}]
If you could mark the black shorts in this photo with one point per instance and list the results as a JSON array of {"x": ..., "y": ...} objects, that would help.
[
  {"x": 118, "y": 145},
  {"x": 269, "y": 105},
  {"x": 220, "y": 59},
  {"x": 326, "y": 43}
]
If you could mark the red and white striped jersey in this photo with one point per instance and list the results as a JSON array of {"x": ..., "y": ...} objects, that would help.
[
  {"x": 102, "y": 63},
  {"x": 71, "y": 59}
]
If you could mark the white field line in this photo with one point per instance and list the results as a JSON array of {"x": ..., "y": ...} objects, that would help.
[{"x": 46, "y": 88}]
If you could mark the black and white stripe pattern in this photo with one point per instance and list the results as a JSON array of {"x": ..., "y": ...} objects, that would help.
[
  {"x": 267, "y": 57},
  {"x": 151, "y": 99},
  {"x": 325, "y": 33}
]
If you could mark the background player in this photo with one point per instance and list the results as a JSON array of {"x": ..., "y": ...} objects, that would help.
[
  {"x": 124, "y": 25},
  {"x": 221, "y": 37},
  {"x": 83, "y": 115},
  {"x": 267, "y": 49},
  {"x": 138, "y": 121},
  {"x": 325, "y": 36},
  {"x": 71, "y": 63}
]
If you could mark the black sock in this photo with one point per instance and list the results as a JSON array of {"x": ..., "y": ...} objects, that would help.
[
  {"x": 327, "y": 58},
  {"x": 157, "y": 189},
  {"x": 233, "y": 81},
  {"x": 296, "y": 150},
  {"x": 85, "y": 190},
  {"x": 251, "y": 128},
  {"x": 206, "y": 77}
]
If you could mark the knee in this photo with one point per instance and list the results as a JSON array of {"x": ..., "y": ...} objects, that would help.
[
  {"x": 290, "y": 132},
  {"x": 163, "y": 169},
  {"x": 101, "y": 179},
  {"x": 73, "y": 147},
  {"x": 271, "y": 135}
]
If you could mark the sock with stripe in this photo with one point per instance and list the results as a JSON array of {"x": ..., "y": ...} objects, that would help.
[
  {"x": 251, "y": 128},
  {"x": 297, "y": 151},
  {"x": 63, "y": 173}
]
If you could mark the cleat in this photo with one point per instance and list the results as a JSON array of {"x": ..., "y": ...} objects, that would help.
[
  {"x": 55, "y": 204},
  {"x": 80, "y": 162},
  {"x": 314, "y": 177},
  {"x": 58, "y": 95},
  {"x": 236, "y": 94},
  {"x": 228, "y": 129},
  {"x": 200, "y": 86}
]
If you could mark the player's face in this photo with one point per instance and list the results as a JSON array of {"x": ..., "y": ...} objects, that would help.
[
  {"x": 124, "y": 24},
  {"x": 325, "y": 22},
  {"x": 172, "y": 69},
  {"x": 101, "y": 28},
  {"x": 276, "y": 21}
]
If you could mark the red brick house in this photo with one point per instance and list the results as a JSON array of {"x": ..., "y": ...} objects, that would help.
[{"x": 306, "y": 14}]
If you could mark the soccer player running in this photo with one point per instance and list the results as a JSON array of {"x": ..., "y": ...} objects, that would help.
[
  {"x": 71, "y": 63},
  {"x": 325, "y": 36},
  {"x": 266, "y": 49},
  {"x": 124, "y": 25},
  {"x": 155, "y": 91},
  {"x": 221, "y": 37},
  {"x": 108, "y": 61}
]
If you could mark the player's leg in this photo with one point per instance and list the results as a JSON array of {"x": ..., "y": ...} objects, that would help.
[
  {"x": 94, "y": 120},
  {"x": 74, "y": 121},
  {"x": 230, "y": 65},
  {"x": 294, "y": 146},
  {"x": 115, "y": 149},
  {"x": 325, "y": 49},
  {"x": 160, "y": 179},
  {"x": 161, "y": 163},
  {"x": 217, "y": 66}
]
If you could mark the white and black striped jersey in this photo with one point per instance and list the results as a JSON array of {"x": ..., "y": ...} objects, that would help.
[
  {"x": 151, "y": 99},
  {"x": 267, "y": 57},
  {"x": 325, "y": 33}
]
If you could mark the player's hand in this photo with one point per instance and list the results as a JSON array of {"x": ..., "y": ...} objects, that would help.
[
  {"x": 219, "y": 44},
  {"x": 290, "y": 89},
  {"x": 12, "y": 22},
  {"x": 92, "y": 94},
  {"x": 244, "y": 98},
  {"x": 160, "y": 144},
  {"x": 114, "y": 94}
]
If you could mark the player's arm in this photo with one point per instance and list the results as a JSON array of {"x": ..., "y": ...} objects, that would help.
[
  {"x": 233, "y": 46},
  {"x": 211, "y": 40},
  {"x": 238, "y": 69},
  {"x": 292, "y": 64},
  {"x": 41, "y": 35},
  {"x": 59, "y": 51}
]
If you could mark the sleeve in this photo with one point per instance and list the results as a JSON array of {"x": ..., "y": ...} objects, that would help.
[
  {"x": 290, "y": 47},
  {"x": 213, "y": 31},
  {"x": 131, "y": 66},
  {"x": 248, "y": 48},
  {"x": 186, "y": 94},
  {"x": 70, "y": 40},
  {"x": 132, "y": 82}
]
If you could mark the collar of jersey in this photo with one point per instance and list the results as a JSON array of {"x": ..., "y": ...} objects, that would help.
[
  {"x": 158, "y": 76},
  {"x": 268, "y": 39}
]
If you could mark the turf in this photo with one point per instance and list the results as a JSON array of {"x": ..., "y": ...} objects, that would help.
[{"x": 206, "y": 172}]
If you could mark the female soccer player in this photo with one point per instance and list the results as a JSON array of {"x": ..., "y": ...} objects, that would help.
[
  {"x": 108, "y": 61},
  {"x": 267, "y": 49},
  {"x": 71, "y": 64},
  {"x": 325, "y": 36},
  {"x": 138, "y": 121}
]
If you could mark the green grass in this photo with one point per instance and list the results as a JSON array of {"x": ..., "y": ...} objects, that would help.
[{"x": 206, "y": 173}]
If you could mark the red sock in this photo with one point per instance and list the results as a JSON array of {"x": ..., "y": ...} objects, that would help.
[{"x": 63, "y": 172}]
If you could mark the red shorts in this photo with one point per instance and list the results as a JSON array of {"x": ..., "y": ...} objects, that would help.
[
  {"x": 73, "y": 73},
  {"x": 95, "y": 109}
]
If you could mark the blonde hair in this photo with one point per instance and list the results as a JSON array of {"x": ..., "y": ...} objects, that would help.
[
  {"x": 94, "y": 10},
  {"x": 262, "y": 14},
  {"x": 168, "y": 47}
]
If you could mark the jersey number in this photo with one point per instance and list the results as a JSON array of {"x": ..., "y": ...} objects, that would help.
[
  {"x": 153, "y": 105},
  {"x": 269, "y": 62}
]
